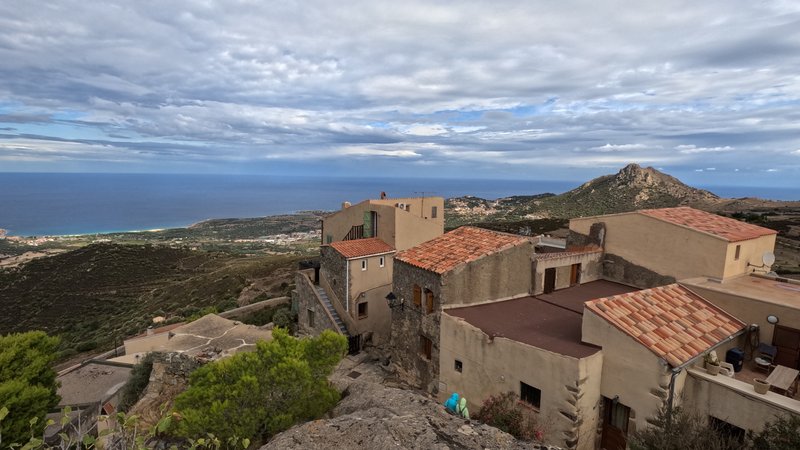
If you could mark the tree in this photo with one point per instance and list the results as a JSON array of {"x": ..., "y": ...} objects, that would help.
[
  {"x": 782, "y": 434},
  {"x": 258, "y": 394},
  {"x": 681, "y": 430},
  {"x": 27, "y": 383}
]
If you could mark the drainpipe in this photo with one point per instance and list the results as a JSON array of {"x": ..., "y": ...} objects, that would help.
[
  {"x": 679, "y": 369},
  {"x": 347, "y": 285}
]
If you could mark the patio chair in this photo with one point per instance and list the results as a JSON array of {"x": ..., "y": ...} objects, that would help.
[{"x": 765, "y": 356}]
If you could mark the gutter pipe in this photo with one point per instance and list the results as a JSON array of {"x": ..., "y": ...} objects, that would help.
[{"x": 679, "y": 369}]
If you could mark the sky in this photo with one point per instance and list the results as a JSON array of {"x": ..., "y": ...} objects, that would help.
[{"x": 706, "y": 91}]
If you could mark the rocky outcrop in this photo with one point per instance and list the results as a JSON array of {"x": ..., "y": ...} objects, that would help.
[
  {"x": 169, "y": 377},
  {"x": 374, "y": 416}
]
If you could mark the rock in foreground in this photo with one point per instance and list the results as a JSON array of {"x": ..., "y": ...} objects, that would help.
[{"x": 374, "y": 416}]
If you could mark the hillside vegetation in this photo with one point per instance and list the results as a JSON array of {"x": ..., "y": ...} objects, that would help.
[
  {"x": 100, "y": 293},
  {"x": 630, "y": 189}
]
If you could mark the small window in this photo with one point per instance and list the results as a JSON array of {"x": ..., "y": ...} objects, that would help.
[
  {"x": 328, "y": 239},
  {"x": 425, "y": 347},
  {"x": 311, "y": 318},
  {"x": 362, "y": 310},
  {"x": 408, "y": 207},
  {"x": 381, "y": 261},
  {"x": 738, "y": 251},
  {"x": 530, "y": 395},
  {"x": 434, "y": 212},
  {"x": 459, "y": 366},
  {"x": 417, "y": 296},
  {"x": 428, "y": 301},
  {"x": 363, "y": 264}
]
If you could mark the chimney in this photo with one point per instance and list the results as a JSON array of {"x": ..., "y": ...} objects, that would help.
[
  {"x": 345, "y": 205},
  {"x": 150, "y": 331}
]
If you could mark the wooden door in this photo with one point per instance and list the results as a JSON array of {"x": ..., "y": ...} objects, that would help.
[
  {"x": 787, "y": 340},
  {"x": 615, "y": 425},
  {"x": 575, "y": 275},
  {"x": 549, "y": 280}
]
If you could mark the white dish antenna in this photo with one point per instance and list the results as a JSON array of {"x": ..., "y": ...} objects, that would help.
[{"x": 768, "y": 258}]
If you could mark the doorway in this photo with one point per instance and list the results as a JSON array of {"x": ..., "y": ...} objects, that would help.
[
  {"x": 787, "y": 340},
  {"x": 549, "y": 280},
  {"x": 615, "y": 425},
  {"x": 575, "y": 275}
]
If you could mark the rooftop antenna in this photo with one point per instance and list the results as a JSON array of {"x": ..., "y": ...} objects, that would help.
[{"x": 422, "y": 194}]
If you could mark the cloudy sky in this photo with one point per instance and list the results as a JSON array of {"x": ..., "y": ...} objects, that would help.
[{"x": 708, "y": 91}]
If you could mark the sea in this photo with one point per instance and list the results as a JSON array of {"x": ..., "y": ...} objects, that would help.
[{"x": 38, "y": 204}]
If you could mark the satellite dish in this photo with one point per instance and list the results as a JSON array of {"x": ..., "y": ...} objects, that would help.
[{"x": 768, "y": 258}]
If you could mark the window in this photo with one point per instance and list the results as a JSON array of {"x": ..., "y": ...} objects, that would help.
[
  {"x": 434, "y": 212},
  {"x": 428, "y": 301},
  {"x": 328, "y": 239},
  {"x": 459, "y": 366},
  {"x": 738, "y": 251},
  {"x": 417, "y": 295},
  {"x": 408, "y": 207},
  {"x": 381, "y": 261},
  {"x": 310, "y": 318},
  {"x": 425, "y": 347},
  {"x": 530, "y": 395},
  {"x": 363, "y": 264},
  {"x": 362, "y": 310}
]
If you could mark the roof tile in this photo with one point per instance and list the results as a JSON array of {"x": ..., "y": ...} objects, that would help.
[
  {"x": 724, "y": 227},
  {"x": 459, "y": 246},
  {"x": 357, "y": 248},
  {"x": 671, "y": 321}
]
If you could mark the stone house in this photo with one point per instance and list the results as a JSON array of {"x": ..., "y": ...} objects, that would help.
[
  {"x": 653, "y": 247},
  {"x": 465, "y": 266},
  {"x": 348, "y": 291}
]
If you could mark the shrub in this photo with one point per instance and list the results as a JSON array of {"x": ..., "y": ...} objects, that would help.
[
  {"x": 784, "y": 433},
  {"x": 140, "y": 377},
  {"x": 505, "y": 412},
  {"x": 284, "y": 318},
  {"x": 27, "y": 383},
  {"x": 680, "y": 430},
  {"x": 258, "y": 394}
]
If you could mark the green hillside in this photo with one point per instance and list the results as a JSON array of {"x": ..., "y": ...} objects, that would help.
[{"x": 105, "y": 292}]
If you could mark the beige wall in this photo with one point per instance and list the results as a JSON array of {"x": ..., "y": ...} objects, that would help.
[
  {"x": 413, "y": 230},
  {"x": 734, "y": 401},
  {"x": 591, "y": 269},
  {"x": 498, "y": 276},
  {"x": 420, "y": 207},
  {"x": 372, "y": 286},
  {"x": 399, "y": 228},
  {"x": 495, "y": 366},
  {"x": 750, "y": 310},
  {"x": 338, "y": 224},
  {"x": 379, "y": 316},
  {"x": 751, "y": 252},
  {"x": 630, "y": 371},
  {"x": 662, "y": 247}
]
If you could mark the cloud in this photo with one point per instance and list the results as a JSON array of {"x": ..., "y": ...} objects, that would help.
[
  {"x": 690, "y": 149},
  {"x": 437, "y": 89}
]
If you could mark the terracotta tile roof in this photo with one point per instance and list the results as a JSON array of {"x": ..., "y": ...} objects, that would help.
[
  {"x": 357, "y": 248},
  {"x": 567, "y": 253},
  {"x": 457, "y": 247},
  {"x": 729, "y": 229},
  {"x": 671, "y": 321}
]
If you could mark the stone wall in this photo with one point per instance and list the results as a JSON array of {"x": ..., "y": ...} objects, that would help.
[
  {"x": 619, "y": 269},
  {"x": 333, "y": 266},
  {"x": 307, "y": 300},
  {"x": 409, "y": 322},
  {"x": 596, "y": 237}
]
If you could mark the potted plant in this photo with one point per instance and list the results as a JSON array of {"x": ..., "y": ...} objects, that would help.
[
  {"x": 712, "y": 363},
  {"x": 760, "y": 385}
]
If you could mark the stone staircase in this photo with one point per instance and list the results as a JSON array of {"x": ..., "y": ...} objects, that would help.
[{"x": 327, "y": 302}]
